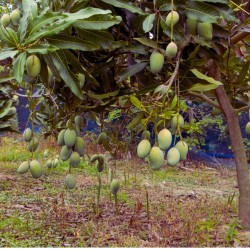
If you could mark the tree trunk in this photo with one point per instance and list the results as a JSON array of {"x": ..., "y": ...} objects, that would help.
[{"x": 239, "y": 155}]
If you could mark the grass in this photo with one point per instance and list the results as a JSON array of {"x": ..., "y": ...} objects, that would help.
[{"x": 187, "y": 208}]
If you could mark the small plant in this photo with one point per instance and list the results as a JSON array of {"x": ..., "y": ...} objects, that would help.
[{"x": 232, "y": 231}]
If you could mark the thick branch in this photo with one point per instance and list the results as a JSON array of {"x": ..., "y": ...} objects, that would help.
[
  {"x": 205, "y": 98},
  {"x": 238, "y": 37}
]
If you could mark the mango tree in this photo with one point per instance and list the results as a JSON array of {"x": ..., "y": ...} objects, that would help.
[{"x": 74, "y": 57}]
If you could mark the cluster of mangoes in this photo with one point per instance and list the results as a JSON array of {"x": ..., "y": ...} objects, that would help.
[
  {"x": 156, "y": 153},
  {"x": 248, "y": 128},
  {"x": 72, "y": 146},
  {"x": 34, "y": 166},
  {"x": 13, "y": 18},
  {"x": 156, "y": 59},
  {"x": 203, "y": 29},
  {"x": 50, "y": 163}
]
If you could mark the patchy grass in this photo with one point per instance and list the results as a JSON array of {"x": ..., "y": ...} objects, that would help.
[{"x": 192, "y": 207}]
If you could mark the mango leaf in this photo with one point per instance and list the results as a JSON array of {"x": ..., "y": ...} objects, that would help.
[
  {"x": 98, "y": 22},
  {"x": 203, "y": 87},
  {"x": 69, "y": 78},
  {"x": 147, "y": 42},
  {"x": 5, "y": 110},
  {"x": 30, "y": 11},
  {"x": 18, "y": 66},
  {"x": 202, "y": 12},
  {"x": 204, "y": 77},
  {"x": 136, "y": 121},
  {"x": 174, "y": 102},
  {"x": 104, "y": 96},
  {"x": 137, "y": 103},
  {"x": 102, "y": 38},
  {"x": 78, "y": 6},
  {"x": 70, "y": 42},
  {"x": 124, "y": 5},
  {"x": 13, "y": 35},
  {"x": 7, "y": 54},
  {"x": 86, "y": 13},
  {"x": 136, "y": 49},
  {"x": 5, "y": 79},
  {"x": 5, "y": 37},
  {"x": 167, "y": 115},
  {"x": 148, "y": 23},
  {"x": 131, "y": 70},
  {"x": 42, "y": 49}
]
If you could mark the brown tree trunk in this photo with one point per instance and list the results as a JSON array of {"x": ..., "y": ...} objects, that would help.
[{"x": 238, "y": 149}]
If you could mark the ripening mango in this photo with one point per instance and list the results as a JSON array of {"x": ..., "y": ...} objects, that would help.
[
  {"x": 33, "y": 144},
  {"x": 183, "y": 149},
  {"x": 74, "y": 159},
  {"x": 173, "y": 156},
  {"x": 156, "y": 157},
  {"x": 172, "y": 17},
  {"x": 164, "y": 139},
  {"x": 171, "y": 50},
  {"x": 114, "y": 186},
  {"x": 178, "y": 119},
  {"x": 79, "y": 146},
  {"x": 101, "y": 138},
  {"x": 205, "y": 30},
  {"x": 70, "y": 181},
  {"x": 5, "y": 20},
  {"x": 15, "y": 17},
  {"x": 27, "y": 134},
  {"x": 33, "y": 66},
  {"x": 36, "y": 169},
  {"x": 70, "y": 137},
  {"x": 24, "y": 167},
  {"x": 248, "y": 128},
  {"x": 143, "y": 149},
  {"x": 192, "y": 26},
  {"x": 65, "y": 153},
  {"x": 60, "y": 138},
  {"x": 156, "y": 62}
]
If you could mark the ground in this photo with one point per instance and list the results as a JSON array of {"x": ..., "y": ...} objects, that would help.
[{"x": 183, "y": 206}]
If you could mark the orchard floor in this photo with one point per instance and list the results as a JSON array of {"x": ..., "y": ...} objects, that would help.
[{"x": 191, "y": 206}]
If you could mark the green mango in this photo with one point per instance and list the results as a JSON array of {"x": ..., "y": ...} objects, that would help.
[
  {"x": 114, "y": 186},
  {"x": 15, "y": 17},
  {"x": 171, "y": 50},
  {"x": 248, "y": 128},
  {"x": 70, "y": 181},
  {"x": 145, "y": 135},
  {"x": 205, "y": 30},
  {"x": 172, "y": 17},
  {"x": 102, "y": 138},
  {"x": 183, "y": 149},
  {"x": 164, "y": 139},
  {"x": 79, "y": 146},
  {"x": 36, "y": 169},
  {"x": 74, "y": 159},
  {"x": 33, "y": 66},
  {"x": 178, "y": 119},
  {"x": 173, "y": 156},
  {"x": 192, "y": 26},
  {"x": 65, "y": 153},
  {"x": 33, "y": 144},
  {"x": 24, "y": 167},
  {"x": 156, "y": 62},
  {"x": 156, "y": 157},
  {"x": 70, "y": 137},
  {"x": 5, "y": 20},
  {"x": 27, "y": 134},
  {"x": 143, "y": 149},
  {"x": 60, "y": 138}
]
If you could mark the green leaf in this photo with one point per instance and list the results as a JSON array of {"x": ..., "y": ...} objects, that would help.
[
  {"x": 131, "y": 70},
  {"x": 174, "y": 102},
  {"x": 5, "y": 110},
  {"x": 71, "y": 42},
  {"x": 5, "y": 37},
  {"x": 48, "y": 24},
  {"x": 206, "y": 78},
  {"x": 136, "y": 102},
  {"x": 147, "y": 42},
  {"x": 42, "y": 49},
  {"x": 7, "y": 54},
  {"x": 30, "y": 11},
  {"x": 86, "y": 13},
  {"x": 13, "y": 36},
  {"x": 18, "y": 66},
  {"x": 104, "y": 96},
  {"x": 203, "y": 87},
  {"x": 66, "y": 74},
  {"x": 148, "y": 23},
  {"x": 136, "y": 49},
  {"x": 167, "y": 115},
  {"x": 6, "y": 79},
  {"x": 136, "y": 121},
  {"x": 124, "y": 5},
  {"x": 98, "y": 22},
  {"x": 202, "y": 12}
]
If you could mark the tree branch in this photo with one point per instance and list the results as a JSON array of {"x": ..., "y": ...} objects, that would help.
[
  {"x": 238, "y": 37},
  {"x": 205, "y": 98},
  {"x": 242, "y": 109}
]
